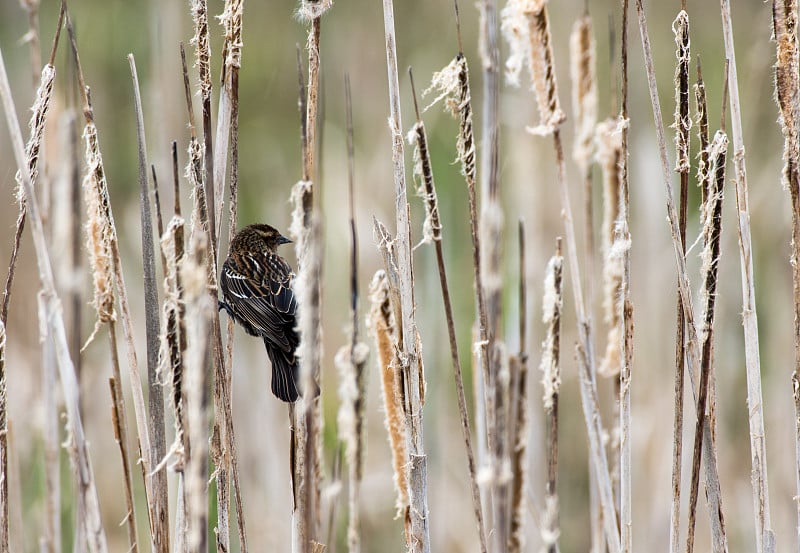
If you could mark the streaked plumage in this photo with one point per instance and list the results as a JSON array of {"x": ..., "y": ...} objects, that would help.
[{"x": 256, "y": 285}]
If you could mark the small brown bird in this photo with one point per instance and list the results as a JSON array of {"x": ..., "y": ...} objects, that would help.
[{"x": 256, "y": 286}]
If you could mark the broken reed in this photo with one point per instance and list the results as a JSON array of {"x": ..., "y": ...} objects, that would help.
[
  {"x": 682, "y": 125},
  {"x": 418, "y": 536}
]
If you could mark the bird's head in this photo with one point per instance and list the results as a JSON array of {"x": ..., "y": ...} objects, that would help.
[{"x": 258, "y": 237}]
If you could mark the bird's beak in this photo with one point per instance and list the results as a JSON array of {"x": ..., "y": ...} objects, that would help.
[{"x": 283, "y": 240}]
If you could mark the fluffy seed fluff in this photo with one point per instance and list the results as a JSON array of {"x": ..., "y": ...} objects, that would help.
[
  {"x": 551, "y": 310},
  {"x": 310, "y": 9},
  {"x": 231, "y": 21},
  {"x": 194, "y": 175},
  {"x": 452, "y": 84},
  {"x": 347, "y": 417},
  {"x": 99, "y": 231},
  {"x": 549, "y": 525},
  {"x": 171, "y": 293}
]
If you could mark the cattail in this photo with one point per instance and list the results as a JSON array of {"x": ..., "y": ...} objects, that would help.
[
  {"x": 382, "y": 324},
  {"x": 170, "y": 356},
  {"x": 40, "y": 107},
  {"x": 527, "y": 21},
  {"x": 609, "y": 152},
  {"x": 551, "y": 382},
  {"x": 99, "y": 231},
  {"x": 351, "y": 391},
  {"x": 198, "y": 319},
  {"x": 711, "y": 217},
  {"x": 701, "y": 120},
  {"x": 787, "y": 79},
  {"x": 683, "y": 123},
  {"x": 452, "y": 85},
  {"x": 551, "y": 317},
  {"x": 431, "y": 226},
  {"x": 306, "y": 288},
  {"x": 584, "y": 89}
]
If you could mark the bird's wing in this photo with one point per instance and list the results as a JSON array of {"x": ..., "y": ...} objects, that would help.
[{"x": 258, "y": 287}]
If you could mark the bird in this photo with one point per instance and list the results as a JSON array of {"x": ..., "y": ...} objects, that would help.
[{"x": 256, "y": 285}]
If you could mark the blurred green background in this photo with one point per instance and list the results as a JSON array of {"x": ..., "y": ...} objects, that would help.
[{"x": 353, "y": 42}]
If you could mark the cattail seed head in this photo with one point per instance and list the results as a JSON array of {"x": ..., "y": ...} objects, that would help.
[
  {"x": 584, "y": 89},
  {"x": 383, "y": 327},
  {"x": 99, "y": 230}
]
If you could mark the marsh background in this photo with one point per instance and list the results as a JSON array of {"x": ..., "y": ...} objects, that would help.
[{"x": 269, "y": 164}]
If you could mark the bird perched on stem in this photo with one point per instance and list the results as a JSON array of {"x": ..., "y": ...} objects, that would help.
[{"x": 256, "y": 286}]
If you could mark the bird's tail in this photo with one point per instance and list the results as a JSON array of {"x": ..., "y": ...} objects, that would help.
[{"x": 284, "y": 373}]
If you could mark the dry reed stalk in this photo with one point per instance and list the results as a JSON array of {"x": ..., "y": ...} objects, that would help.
[
  {"x": 231, "y": 21},
  {"x": 383, "y": 326},
  {"x": 31, "y": 8},
  {"x": 418, "y": 540},
  {"x": 32, "y": 154},
  {"x": 719, "y": 538},
  {"x": 551, "y": 382},
  {"x": 49, "y": 307},
  {"x": 582, "y": 50},
  {"x": 306, "y": 231},
  {"x": 519, "y": 418},
  {"x": 229, "y": 110},
  {"x": 351, "y": 361},
  {"x": 199, "y": 313},
  {"x": 159, "y": 501},
  {"x": 408, "y": 393},
  {"x": 197, "y": 401},
  {"x": 622, "y": 249},
  {"x": 171, "y": 361},
  {"x": 4, "y": 500},
  {"x": 199, "y": 12},
  {"x": 432, "y": 232},
  {"x": 452, "y": 84},
  {"x": 66, "y": 225},
  {"x": 226, "y": 462},
  {"x": 489, "y": 49},
  {"x": 529, "y": 19},
  {"x": 787, "y": 92},
  {"x": 765, "y": 537},
  {"x": 108, "y": 266},
  {"x": 130, "y": 515},
  {"x": 682, "y": 125},
  {"x": 490, "y": 230},
  {"x": 712, "y": 230},
  {"x": 487, "y": 261}
]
